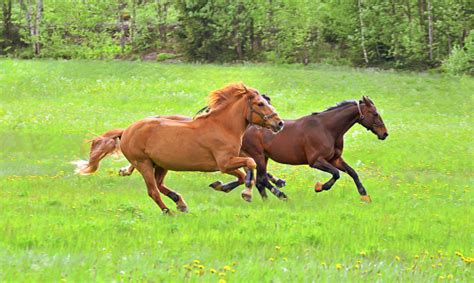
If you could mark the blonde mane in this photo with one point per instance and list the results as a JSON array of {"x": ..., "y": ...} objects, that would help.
[{"x": 220, "y": 98}]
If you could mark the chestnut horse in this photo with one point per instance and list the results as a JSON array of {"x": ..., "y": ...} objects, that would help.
[
  {"x": 210, "y": 142},
  {"x": 316, "y": 140}
]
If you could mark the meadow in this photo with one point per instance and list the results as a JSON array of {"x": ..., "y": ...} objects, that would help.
[{"x": 57, "y": 226}]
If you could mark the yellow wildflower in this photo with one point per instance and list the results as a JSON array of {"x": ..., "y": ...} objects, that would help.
[
  {"x": 397, "y": 258},
  {"x": 338, "y": 266},
  {"x": 277, "y": 248},
  {"x": 222, "y": 281},
  {"x": 441, "y": 277},
  {"x": 449, "y": 277},
  {"x": 196, "y": 261},
  {"x": 285, "y": 258},
  {"x": 417, "y": 257},
  {"x": 362, "y": 253},
  {"x": 271, "y": 259},
  {"x": 222, "y": 274},
  {"x": 227, "y": 268},
  {"x": 323, "y": 263},
  {"x": 212, "y": 270}
]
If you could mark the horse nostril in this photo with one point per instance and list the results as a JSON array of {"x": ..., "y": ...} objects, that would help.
[
  {"x": 280, "y": 124},
  {"x": 385, "y": 135}
]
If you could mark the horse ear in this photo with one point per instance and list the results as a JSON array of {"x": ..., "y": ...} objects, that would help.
[{"x": 367, "y": 100}]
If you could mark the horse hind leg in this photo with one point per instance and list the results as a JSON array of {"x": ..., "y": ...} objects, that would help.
[
  {"x": 325, "y": 166},
  {"x": 127, "y": 170},
  {"x": 230, "y": 186},
  {"x": 147, "y": 169},
  {"x": 160, "y": 174}
]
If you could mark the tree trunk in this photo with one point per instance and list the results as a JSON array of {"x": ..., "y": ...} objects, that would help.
[
  {"x": 421, "y": 14},
  {"x": 7, "y": 22},
  {"x": 39, "y": 17},
  {"x": 162, "y": 11},
  {"x": 430, "y": 30},
  {"x": 362, "y": 39},
  {"x": 132, "y": 22},
  {"x": 408, "y": 11},
  {"x": 121, "y": 24}
]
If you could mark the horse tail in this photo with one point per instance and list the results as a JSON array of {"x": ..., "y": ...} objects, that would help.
[{"x": 101, "y": 146}]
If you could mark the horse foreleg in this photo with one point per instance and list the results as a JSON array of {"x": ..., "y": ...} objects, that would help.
[
  {"x": 228, "y": 187},
  {"x": 343, "y": 166},
  {"x": 227, "y": 165},
  {"x": 325, "y": 166},
  {"x": 280, "y": 183}
]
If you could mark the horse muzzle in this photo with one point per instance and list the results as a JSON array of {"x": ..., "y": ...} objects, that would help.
[
  {"x": 383, "y": 136},
  {"x": 277, "y": 127}
]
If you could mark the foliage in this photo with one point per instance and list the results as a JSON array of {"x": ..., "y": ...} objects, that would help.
[
  {"x": 461, "y": 60},
  {"x": 279, "y": 31},
  {"x": 57, "y": 226}
]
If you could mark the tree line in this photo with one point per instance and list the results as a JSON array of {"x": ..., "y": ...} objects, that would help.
[{"x": 411, "y": 34}]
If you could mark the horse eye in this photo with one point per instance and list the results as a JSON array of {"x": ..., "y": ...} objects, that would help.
[{"x": 260, "y": 104}]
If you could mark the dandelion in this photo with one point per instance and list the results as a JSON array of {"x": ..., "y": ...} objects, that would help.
[
  {"x": 222, "y": 281},
  {"x": 362, "y": 253},
  {"x": 417, "y": 256},
  {"x": 433, "y": 265},
  {"x": 285, "y": 259},
  {"x": 278, "y": 248},
  {"x": 323, "y": 263},
  {"x": 201, "y": 266},
  {"x": 459, "y": 254},
  {"x": 196, "y": 261},
  {"x": 397, "y": 258},
  {"x": 440, "y": 264},
  {"x": 232, "y": 270},
  {"x": 227, "y": 268},
  {"x": 222, "y": 274},
  {"x": 441, "y": 277},
  {"x": 271, "y": 259},
  {"x": 338, "y": 266},
  {"x": 212, "y": 270},
  {"x": 449, "y": 277},
  {"x": 356, "y": 266}
]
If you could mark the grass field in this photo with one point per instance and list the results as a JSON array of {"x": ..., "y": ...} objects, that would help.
[{"x": 57, "y": 226}]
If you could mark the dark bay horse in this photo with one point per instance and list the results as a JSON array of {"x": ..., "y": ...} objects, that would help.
[
  {"x": 316, "y": 140},
  {"x": 210, "y": 142}
]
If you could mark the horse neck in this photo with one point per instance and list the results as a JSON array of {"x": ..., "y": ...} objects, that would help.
[
  {"x": 233, "y": 117},
  {"x": 342, "y": 120}
]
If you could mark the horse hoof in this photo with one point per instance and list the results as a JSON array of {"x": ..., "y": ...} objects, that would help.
[
  {"x": 280, "y": 183},
  {"x": 318, "y": 187},
  {"x": 247, "y": 196},
  {"x": 182, "y": 208},
  {"x": 217, "y": 185},
  {"x": 366, "y": 199},
  {"x": 282, "y": 197},
  {"x": 166, "y": 211}
]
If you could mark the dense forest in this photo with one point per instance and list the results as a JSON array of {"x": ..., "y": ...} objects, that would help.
[{"x": 404, "y": 34}]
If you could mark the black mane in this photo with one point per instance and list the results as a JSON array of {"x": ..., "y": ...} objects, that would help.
[{"x": 337, "y": 106}]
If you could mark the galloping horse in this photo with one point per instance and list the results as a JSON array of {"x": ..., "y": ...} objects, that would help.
[
  {"x": 210, "y": 142},
  {"x": 316, "y": 140}
]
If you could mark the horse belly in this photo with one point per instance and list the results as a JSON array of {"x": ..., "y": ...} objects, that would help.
[{"x": 177, "y": 155}]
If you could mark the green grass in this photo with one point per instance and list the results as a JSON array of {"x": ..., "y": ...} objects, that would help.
[{"x": 55, "y": 225}]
